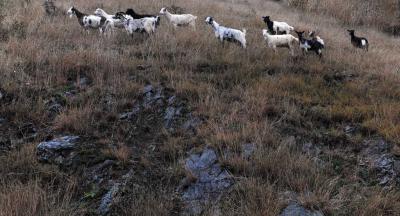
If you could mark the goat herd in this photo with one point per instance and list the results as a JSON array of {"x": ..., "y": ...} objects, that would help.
[{"x": 276, "y": 35}]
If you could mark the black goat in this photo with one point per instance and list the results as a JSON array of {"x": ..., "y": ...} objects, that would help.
[
  {"x": 359, "y": 42},
  {"x": 134, "y": 15}
]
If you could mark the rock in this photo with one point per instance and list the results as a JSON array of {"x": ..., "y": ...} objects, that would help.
[
  {"x": 2, "y": 121},
  {"x": 192, "y": 123},
  {"x": 294, "y": 209},
  {"x": 55, "y": 108},
  {"x": 147, "y": 89},
  {"x": 211, "y": 181},
  {"x": 83, "y": 82},
  {"x": 55, "y": 151},
  {"x": 376, "y": 156},
  {"x": 248, "y": 149},
  {"x": 107, "y": 199},
  {"x": 310, "y": 149}
]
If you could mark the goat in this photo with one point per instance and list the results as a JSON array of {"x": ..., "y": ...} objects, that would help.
[
  {"x": 147, "y": 25},
  {"x": 275, "y": 41},
  {"x": 276, "y": 27},
  {"x": 312, "y": 45},
  {"x": 88, "y": 21},
  {"x": 316, "y": 37},
  {"x": 359, "y": 42},
  {"x": 179, "y": 19},
  {"x": 134, "y": 15},
  {"x": 223, "y": 33},
  {"x": 112, "y": 19}
]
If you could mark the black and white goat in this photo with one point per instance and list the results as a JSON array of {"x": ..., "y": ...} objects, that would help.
[
  {"x": 227, "y": 34},
  {"x": 179, "y": 19},
  {"x": 113, "y": 20},
  {"x": 310, "y": 45},
  {"x": 276, "y": 27},
  {"x": 359, "y": 42},
  {"x": 88, "y": 21},
  {"x": 144, "y": 25},
  {"x": 316, "y": 37},
  {"x": 135, "y": 15}
]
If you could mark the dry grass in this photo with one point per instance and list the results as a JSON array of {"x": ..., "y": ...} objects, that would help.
[{"x": 271, "y": 99}]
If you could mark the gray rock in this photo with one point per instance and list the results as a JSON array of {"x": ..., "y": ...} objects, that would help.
[
  {"x": 376, "y": 156},
  {"x": 127, "y": 115},
  {"x": 55, "y": 108},
  {"x": 169, "y": 116},
  {"x": 191, "y": 124},
  {"x": 56, "y": 150},
  {"x": 147, "y": 89},
  {"x": 248, "y": 149},
  {"x": 211, "y": 181},
  {"x": 294, "y": 209},
  {"x": 107, "y": 199}
]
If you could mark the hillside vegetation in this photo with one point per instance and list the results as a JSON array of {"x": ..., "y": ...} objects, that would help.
[{"x": 323, "y": 133}]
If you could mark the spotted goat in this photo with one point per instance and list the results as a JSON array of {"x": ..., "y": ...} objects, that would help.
[{"x": 88, "y": 21}]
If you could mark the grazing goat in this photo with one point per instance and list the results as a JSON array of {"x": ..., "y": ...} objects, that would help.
[
  {"x": 275, "y": 41},
  {"x": 276, "y": 27},
  {"x": 358, "y": 42},
  {"x": 223, "y": 33},
  {"x": 135, "y": 15},
  {"x": 312, "y": 45},
  {"x": 314, "y": 36},
  {"x": 180, "y": 19},
  {"x": 112, "y": 19},
  {"x": 88, "y": 21},
  {"x": 147, "y": 25}
]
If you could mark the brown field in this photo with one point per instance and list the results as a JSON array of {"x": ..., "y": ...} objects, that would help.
[{"x": 256, "y": 96}]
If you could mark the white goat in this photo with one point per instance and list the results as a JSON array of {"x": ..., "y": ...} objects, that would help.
[
  {"x": 88, "y": 21},
  {"x": 229, "y": 34},
  {"x": 274, "y": 41},
  {"x": 147, "y": 24},
  {"x": 276, "y": 27},
  {"x": 180, "y": 19},
  {"x": 113, "y": 21}
]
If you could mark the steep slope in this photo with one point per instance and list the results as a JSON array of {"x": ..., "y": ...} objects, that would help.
[{"x": 175, "y": 117}]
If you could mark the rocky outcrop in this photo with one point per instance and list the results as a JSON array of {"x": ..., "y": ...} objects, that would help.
[
  {"x": 170, "y": 108},
  {"x": 57, "y": 150},
  {"x": 295, "y": 209},
  {"x": 376, "y": 156},
  {"x": 206, "y": 182}
]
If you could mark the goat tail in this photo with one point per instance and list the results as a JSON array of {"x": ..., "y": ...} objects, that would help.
[
  {"x": 296, "y": 40},
  {"x": 244, "y": 31},
  {"x": 291, "y": 28}
]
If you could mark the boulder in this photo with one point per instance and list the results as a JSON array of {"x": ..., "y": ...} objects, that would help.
[{"x": 56, "y": 150}]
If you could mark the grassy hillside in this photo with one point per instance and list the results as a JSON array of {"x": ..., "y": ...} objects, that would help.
[{"x": 310, "y": 119}]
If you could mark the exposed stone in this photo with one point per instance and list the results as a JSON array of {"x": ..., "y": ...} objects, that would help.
[
  {"x": 55, "y": 151},
  {"x": 376, "y": 156},
  {"x": 248, "y": 149},
  {"x": 294, "y": 209},
  {"x": 211, "y": 181},
  {"x": 107, "y": 199}
]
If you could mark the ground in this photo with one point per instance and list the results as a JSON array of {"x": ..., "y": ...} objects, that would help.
[{"x": 150, "y": 123}]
